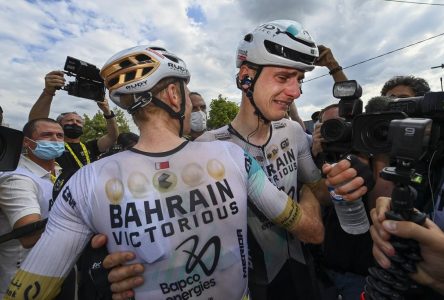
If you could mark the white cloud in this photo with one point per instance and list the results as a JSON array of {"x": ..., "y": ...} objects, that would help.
[{"x": 37, "y": 36}]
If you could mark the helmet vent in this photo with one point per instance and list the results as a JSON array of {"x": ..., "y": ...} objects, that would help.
[
  {"x": 171, "y": 58},
  {"x": 248, "y": 37},
  {"x": 130, "y": 76},
  {"x": 143, "y": 58},
  {"x": 125, "y": 64},
  {"x": 288, "y": 53},
  {"x": 157, "y": 48},
  {"x": 146, "y": 70},
  {"x": 113, "y": 81}
]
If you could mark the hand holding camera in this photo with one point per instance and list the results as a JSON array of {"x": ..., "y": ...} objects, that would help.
[{"x": 54, "y": 80}]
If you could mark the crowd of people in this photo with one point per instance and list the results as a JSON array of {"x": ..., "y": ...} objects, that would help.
[{"x": 181, "y": 212}]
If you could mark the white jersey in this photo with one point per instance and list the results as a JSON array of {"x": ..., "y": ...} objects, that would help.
[
  {"x": 286, "y": 159},
  {"x": 183, "y": 212}
]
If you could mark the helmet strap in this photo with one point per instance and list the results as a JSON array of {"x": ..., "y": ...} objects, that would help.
[
  {"x": 180, "y": 115},
  {"x": 246, "y": 84}
]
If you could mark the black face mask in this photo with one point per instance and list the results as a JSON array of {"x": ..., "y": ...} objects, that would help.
[{"x": 72, "y": 131}]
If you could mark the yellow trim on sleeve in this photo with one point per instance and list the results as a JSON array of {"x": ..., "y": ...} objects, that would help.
[
  {"x": 26, "y": 285},
  {"x": 291, "y": 215}
]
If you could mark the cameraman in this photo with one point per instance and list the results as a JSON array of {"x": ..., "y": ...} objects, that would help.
[
  {"x": 405, "y": 86},
  {"x": 344, "y": 258},
  {"x": 430, "y": 271},
  {"x": 77, "y": 154}
]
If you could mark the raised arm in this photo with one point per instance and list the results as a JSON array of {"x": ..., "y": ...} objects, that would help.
[
  {"x": 54, "y": 80},
  {"x": 112, "y": 130}
]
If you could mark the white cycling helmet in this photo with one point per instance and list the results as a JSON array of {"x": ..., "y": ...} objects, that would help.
[
  {"x": 279, "y": 43},
  {"x": 137, "y": 70}
]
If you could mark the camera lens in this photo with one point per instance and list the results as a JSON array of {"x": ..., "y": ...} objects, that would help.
[{"x": 336, "y": 130}]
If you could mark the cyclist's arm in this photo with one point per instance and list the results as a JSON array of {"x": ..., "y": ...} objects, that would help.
[
  {"x": 303, "y": 220},
  {"x": 42, "y": 273}
]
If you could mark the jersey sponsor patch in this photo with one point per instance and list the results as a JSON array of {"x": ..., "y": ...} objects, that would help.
[
  {"x": 222, "y": 136},
  {"x": 279, "y": 125}
]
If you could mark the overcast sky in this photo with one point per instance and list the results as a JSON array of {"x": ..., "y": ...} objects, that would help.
[{"x": 36, "y": 37}]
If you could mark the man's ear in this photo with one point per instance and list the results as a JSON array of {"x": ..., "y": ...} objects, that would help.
[
  {"x": 27, "y": 143},
  {"x": 173, "y": 95}
]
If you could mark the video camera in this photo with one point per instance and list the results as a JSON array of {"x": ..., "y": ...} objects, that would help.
[
  {"x": 369, "y": 133},
  {"x": 88, "y": 83}
]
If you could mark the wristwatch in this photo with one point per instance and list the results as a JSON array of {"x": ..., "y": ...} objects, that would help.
[{"x": 110, "y": 116}]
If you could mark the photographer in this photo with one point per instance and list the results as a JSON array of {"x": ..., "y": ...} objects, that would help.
[
  {"x": 76, "y": 153},
  {"x": 430, "y": 271},
  {"x": 405, "y": 86},
  {"x": 344, "y": 257}
]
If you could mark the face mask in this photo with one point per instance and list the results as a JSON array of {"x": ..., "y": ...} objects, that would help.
[
  {"x": 198, "y": 121},
  {"x": 48, "y": 150},
  {"x": 72, "y": 131}
]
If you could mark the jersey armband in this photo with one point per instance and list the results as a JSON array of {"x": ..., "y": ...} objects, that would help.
[
  {"x": 26, "y": 285},
  {"x": 291, "y": 215}
]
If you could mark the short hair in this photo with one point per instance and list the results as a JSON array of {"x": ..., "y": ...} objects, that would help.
[
  {"x": 377, "y": 104},
  {"x": 194, "y": 93},
  {"x": 321, "y": 113},
  {"x": 60, "y": 117},
  {"x": 29, "y": 127},
  {"x": 418, "y": 85},
  {"x": 126, "y": 139}
]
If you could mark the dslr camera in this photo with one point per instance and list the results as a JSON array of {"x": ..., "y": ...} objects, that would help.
[{"x": 87, "y": 84}]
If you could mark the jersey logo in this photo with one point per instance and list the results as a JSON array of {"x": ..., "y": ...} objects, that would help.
[
  {"x": 272, "y": 152},
  {"x": 279, "y": 125},
  {"x": 284, "y": 144},
  {"x": 34, "y": 288},
  {"x": 164, "y": 181},
  {"x": 222, "y": 136},
  {"x": 202, "y": 257}
]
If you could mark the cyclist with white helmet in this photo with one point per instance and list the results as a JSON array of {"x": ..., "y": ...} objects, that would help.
[
  {"x": 180, "y": 206},
  {"x": 272, "y": 60}
]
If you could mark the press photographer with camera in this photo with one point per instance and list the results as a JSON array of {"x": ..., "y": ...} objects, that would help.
[{"x": 77, "y": 154}]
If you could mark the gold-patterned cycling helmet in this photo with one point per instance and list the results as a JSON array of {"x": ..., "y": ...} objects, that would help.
[{"x": 137, "y": 70}]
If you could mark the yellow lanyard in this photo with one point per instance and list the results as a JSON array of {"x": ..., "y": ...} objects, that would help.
[
  {"x": 85, "y": 151},
  {"x": 53, "y": 178}
]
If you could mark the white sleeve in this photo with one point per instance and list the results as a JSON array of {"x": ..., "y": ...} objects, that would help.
[
  {"x": 18, "y": 198},
  {"x": 275, "y": 204}
]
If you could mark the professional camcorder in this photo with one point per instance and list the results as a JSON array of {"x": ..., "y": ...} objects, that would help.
[
  {"x": 368, "y": 133},
  {"x": 88, "y": 83}
]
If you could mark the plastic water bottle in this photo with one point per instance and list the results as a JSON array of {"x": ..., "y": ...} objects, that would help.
[{"x": 351, "y": 214}]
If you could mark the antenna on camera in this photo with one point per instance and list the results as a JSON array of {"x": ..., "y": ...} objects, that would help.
[
  {"x": 441, "y": 66},
  {"x": 436, "y": 67}
]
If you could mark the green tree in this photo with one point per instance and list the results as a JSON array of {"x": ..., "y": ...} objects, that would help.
[
  {"x": 95, "y": 127},
  {"x": 222, "y": 112}
]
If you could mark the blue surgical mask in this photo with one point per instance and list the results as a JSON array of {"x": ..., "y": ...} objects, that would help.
[{"x": 48, "y": 150}]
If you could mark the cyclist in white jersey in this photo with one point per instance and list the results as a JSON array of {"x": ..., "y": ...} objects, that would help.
[
  {"x": 272, "y": 60},
  {"x": 180, "y": 206}
]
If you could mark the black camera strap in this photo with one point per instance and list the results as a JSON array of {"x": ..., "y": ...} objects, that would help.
[{"x": 23, "y": 231}]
